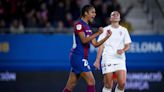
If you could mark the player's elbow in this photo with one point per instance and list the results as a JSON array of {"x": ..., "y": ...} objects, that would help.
[
  {"x": 84, "y": 41},
  {"x": 96, "y": 45}
]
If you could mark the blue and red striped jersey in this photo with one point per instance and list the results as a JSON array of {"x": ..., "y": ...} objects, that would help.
[{"x": 78, "y": 47}]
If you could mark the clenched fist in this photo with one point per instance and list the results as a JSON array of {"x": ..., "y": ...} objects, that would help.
[
  {"x": 109, "y": 33},
  {"x": 100, "y": 30}
]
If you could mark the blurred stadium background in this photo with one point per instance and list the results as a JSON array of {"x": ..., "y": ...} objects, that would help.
[{"x": 36, "y": 36}]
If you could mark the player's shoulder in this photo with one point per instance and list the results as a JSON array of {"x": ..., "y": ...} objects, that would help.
[
  {"x": 106, "y": 28},
  {"x": 123, "y": 28},
  {"x": 78, "y": 25}
]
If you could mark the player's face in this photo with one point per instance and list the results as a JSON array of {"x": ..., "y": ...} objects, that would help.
[
  {"x": 91, "y": 14},
  {"x": 115, "y": 16}
]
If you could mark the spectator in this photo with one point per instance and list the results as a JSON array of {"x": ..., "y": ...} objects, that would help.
[
  {"x": 16, "y": 27},
  {"x": 60, "y": 26},
  {"x": 60, "y": 11},
  {"x": 1, "y": 10},
  {"x": 48, "y": 28},
  {"x": 31, "y": 21},
  {"x": 39, "y": 13},
  {"x": 68, "y": 20},
  {"x": 2, "y": 26}
]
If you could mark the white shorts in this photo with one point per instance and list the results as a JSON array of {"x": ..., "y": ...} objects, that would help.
[{"x": 108, "y": 68}]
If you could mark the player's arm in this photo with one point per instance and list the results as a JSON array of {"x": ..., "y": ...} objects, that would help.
[
  {"x": 126, "y": 47},
  {"x": 90, "y": 38},
  {"x": 99, "y": 53},
  {"x": 96, "y": 44}
]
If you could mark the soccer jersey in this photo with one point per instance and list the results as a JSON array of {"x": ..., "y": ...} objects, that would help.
[
  {"x": 116, "y": 41},
  {"x": 78, "y": 47},
  {"x": 79, "y": 52}
]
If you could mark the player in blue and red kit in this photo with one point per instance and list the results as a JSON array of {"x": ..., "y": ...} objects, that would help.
[{"x": 82, "y": 38}]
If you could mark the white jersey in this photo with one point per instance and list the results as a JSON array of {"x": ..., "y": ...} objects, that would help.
[{"x": 116, "y": 41}]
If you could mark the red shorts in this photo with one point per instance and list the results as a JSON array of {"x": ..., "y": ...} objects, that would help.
[{"x": 114, "y": 76}]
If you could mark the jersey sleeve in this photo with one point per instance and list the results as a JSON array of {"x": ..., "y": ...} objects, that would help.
[
  {"x": 78, "y": 28},
  {"x": 127, "y": 38}
]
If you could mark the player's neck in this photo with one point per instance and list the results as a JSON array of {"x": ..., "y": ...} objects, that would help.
[
  {"x": 85, "y": 20},
  {"x": 115, "y": 25}
]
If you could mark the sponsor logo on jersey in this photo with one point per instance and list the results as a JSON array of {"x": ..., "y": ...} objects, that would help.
[{"x": 88, "y": 31}]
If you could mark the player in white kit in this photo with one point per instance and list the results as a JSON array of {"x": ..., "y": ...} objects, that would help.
[{"x": 113, "y": 54}]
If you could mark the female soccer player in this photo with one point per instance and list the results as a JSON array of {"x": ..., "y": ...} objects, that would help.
[
  {"x": 82, "y": 38},
  {"x": 113, "y": 54}
]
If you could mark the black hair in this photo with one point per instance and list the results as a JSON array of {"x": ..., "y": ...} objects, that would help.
[{"x": 86, "y": 8}]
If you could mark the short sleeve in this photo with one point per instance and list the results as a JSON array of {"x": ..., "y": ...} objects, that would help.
[
  {"x": 78, "y": 28},
  {"x": 127, "y": 37}
]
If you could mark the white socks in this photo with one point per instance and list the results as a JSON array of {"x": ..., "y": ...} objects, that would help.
[
  {"x": 110, "y": 90},
  {"x": 106, "y": 89},
  {"x": 118, "y": 90}
]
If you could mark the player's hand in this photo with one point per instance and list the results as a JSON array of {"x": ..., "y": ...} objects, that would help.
[
  {"x": 109, "y": 33},
  {"x": 97, "y": 65},
  {"x": 120, "y": 51},
  {"x": 100, "y": 30}
]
